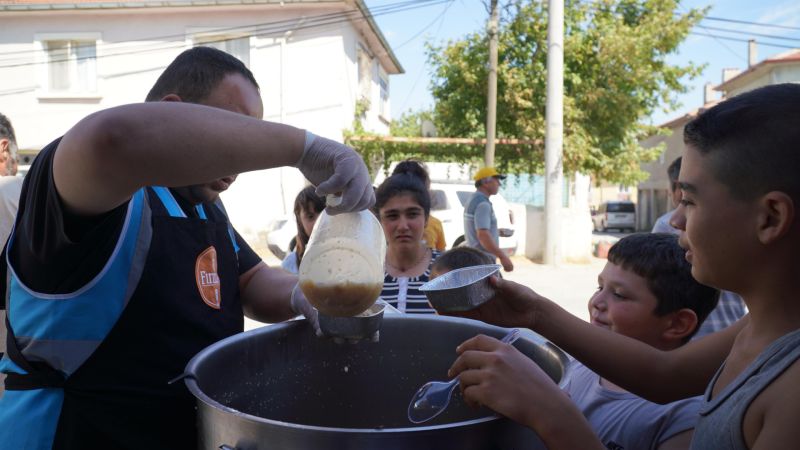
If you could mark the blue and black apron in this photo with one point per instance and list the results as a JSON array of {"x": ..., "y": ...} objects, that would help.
[{"x": 90, "y": 369}]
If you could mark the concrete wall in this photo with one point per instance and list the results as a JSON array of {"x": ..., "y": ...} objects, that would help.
[{"x": 576, "y": 233}]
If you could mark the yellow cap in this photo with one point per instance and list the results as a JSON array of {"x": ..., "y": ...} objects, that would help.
[{"x": 487, "y": 172}]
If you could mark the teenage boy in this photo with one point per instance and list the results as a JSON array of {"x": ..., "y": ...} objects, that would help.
[{"x": 738, "y": 212}]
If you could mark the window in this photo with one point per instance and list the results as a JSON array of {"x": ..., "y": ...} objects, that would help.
[
  {"x": 383, "y": 79},
  {"x": 236, "y": 46},
  {"x": 70, "y": 63}
]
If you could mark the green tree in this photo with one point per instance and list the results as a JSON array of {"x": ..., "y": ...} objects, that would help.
[
  {"x": 410, "y": 123},
  {"x": 615, "y": 75}
]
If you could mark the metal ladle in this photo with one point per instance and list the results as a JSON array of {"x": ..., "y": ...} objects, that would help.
[{"x": 434, "y": 396}]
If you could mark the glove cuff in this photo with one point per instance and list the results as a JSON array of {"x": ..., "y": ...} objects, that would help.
[{"x": 310, "y": 137}]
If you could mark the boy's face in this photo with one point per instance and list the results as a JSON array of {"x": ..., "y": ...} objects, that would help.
[
  {"x": 624, "y": 304},
  {"x": 718, "y": 227}
]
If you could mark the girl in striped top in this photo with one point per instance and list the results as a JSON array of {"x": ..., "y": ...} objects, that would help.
[{"x": 403, "y": 206}]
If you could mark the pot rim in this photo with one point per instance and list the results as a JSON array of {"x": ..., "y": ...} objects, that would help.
[{"x": 189, "y": 378}]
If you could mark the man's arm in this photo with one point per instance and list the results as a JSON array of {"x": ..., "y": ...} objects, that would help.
[
  {"x": 629, "y": 363},
  {"x": 266, "y": 293},
  {"x": 483, "y": 214},
  {"x": 109, "y": 155},
  {"x": 486, "y": 240}
]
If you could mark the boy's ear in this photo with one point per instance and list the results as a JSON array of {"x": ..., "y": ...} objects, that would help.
[
  {"x": 775, "y": 217},
  {"x": 682, "y": 323}
]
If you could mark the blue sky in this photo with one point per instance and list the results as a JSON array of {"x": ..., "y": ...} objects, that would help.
[{"x": 408, "y": 31}]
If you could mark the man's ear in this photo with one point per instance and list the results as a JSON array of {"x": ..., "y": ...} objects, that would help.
[
  {"x": 4, "y": 144},
  {"x": 171, "y": 98},
  {"x": 775, "y": 216},
  {"x": 682, "y": 323}
]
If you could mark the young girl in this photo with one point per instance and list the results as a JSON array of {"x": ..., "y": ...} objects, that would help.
[
  {"x": 403, "y": 206},
  {"x": 307, "y": 207}
]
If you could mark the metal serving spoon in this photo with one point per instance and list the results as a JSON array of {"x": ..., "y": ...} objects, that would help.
[{"x": 434, "y": 396}]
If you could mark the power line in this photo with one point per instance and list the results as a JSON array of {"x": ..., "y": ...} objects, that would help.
[
  {"x": 257, "y": 30},
  {"x": 771, "y": 36},
  {"x": 745, "y": 22},
  {"x": 425, "y": 65},
  {"x": 766, "y": 44},
  {"x": 450, "y": 3},
  {"x": 378, "y": 10}
]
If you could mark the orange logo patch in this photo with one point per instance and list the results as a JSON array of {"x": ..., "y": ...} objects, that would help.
[{"x": 205, "y": 272}]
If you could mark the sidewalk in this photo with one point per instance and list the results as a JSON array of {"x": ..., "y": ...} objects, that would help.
[{"x": 569, "y": 285}]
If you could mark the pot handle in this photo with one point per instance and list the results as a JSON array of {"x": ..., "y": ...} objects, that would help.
[
  {"x": 188, "y": 375},
  {"x": 226, "y": 447}
]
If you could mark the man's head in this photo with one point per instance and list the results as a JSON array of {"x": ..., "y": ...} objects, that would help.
[
  {"x": 457, "y": 258},
  {"x": 487, "y": 180},
  {"x": 646, "y": 292},
  {"x": 740, "y": 187},
  {"x": 209, "y": 77},
  {"x": 8, "y": 148},
  {"x": 673, "y": 171}
]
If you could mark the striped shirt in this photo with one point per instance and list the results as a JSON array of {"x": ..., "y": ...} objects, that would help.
[{"x": 403, "y": 292}]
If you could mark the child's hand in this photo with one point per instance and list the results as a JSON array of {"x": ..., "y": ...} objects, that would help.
[
  {"x": 513, "y": 305},
  {"x": 499, "y": 376}
]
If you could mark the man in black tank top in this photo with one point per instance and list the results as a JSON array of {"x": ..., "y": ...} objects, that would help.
[{"x": 119, "y": 222}]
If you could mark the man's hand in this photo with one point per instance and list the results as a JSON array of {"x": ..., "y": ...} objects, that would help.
[
  {"x": 335, "y": 168},
  {"x": 508, "y": 266},
  {"x": 513, "y": 305},
  {"x": 499, "y": 376},
  {"x": 301, "y": 306}
]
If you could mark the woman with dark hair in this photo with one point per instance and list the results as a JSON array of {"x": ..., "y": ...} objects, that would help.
[
  {"x": 403, "y": 207},
  {"x": 434, "y": 232},
  {"x": 307, "y": 207}
]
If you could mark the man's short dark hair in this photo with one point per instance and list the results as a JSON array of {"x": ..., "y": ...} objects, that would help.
[
  {"x": 195, "y": 73},
  {"x": 460, "y": 257},
  {"x": 6, "y": 130},
  {"x": 673, "y": 171},
  {"x": 752, "y": 141},
  {"x": 659, "y": 259}
]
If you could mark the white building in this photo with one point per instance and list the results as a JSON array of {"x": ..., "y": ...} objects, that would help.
[{"x": 314, "y": 59}]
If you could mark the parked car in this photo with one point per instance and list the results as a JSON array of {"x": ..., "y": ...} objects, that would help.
[
  {"x": 447, "y": 204},
  {"x": 281, "y": 235},
  {"x": 620, "y": 215}
]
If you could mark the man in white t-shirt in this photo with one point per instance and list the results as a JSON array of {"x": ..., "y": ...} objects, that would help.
[
  {"x": 10, "y": 186},
  {"x": 662, "y": 224}
]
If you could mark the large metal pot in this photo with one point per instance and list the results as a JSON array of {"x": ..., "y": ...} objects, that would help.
[{"x": 281, "y": 387}]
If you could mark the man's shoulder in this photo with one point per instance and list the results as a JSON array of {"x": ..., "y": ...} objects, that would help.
[{"x": 11, "y": 184}]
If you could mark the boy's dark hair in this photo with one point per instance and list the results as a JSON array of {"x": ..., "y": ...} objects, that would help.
[
  {"x": 403, "y": 182},
  {"x": 6, "y": 130},
  {"x": 659, "y": 259},
  {"x": 460, "y": 257},
  {"x": 673, "y": 171},
  {"x": 414, "y": 168},
  {"x": 195, "y": 73},
  {"x": 307, "y": 199},
  {"x": 752, "y": 140}
]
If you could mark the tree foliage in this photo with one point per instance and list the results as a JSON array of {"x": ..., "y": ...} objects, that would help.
[{"x": 616, "y": 74}]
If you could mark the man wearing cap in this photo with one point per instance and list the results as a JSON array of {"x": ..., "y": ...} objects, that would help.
[{"x": 480, "y": 223}]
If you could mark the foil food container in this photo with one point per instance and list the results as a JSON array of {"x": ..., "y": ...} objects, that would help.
[
  {"x": 461, "y": 289},
  {"x": 361, "y": 326}
]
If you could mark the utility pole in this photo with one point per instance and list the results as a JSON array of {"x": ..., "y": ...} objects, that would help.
[
  {"x": 554, "y": 142},
  {"x": 491, "y": 100}
]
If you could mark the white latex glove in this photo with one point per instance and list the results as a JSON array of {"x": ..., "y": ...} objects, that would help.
[
  {"x": 333, "y": 168},
  {"x": 300, "y": 306}
]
